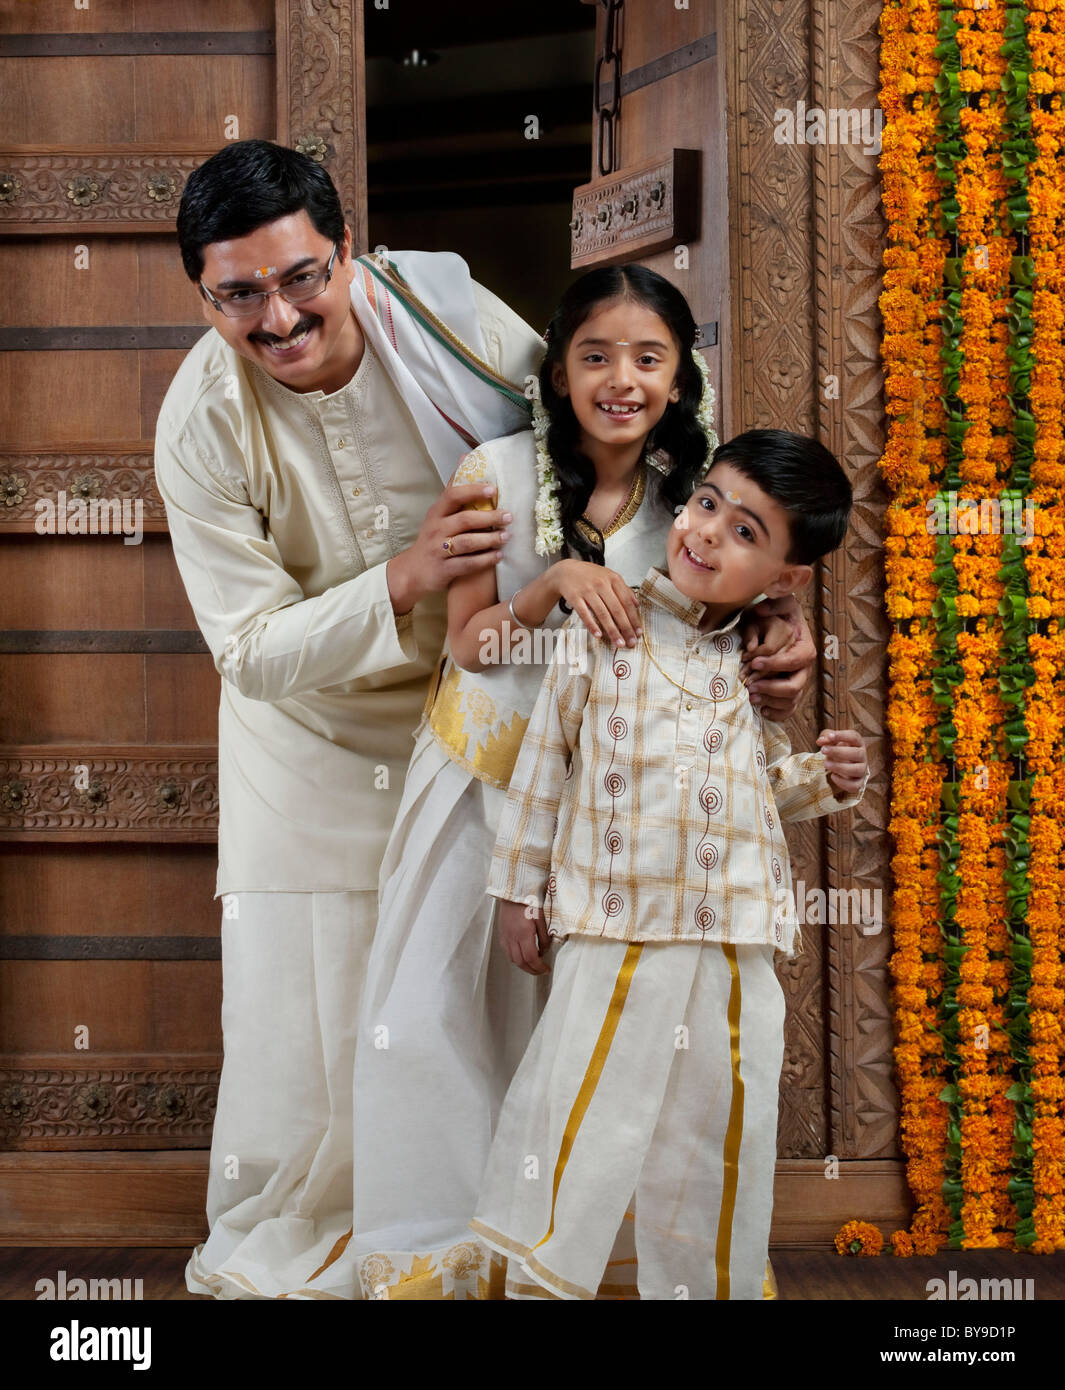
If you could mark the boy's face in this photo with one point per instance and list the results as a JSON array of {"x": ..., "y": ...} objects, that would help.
[{"x": 730, "y": 544}]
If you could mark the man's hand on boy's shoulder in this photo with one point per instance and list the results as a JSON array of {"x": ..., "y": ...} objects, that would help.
[
  {"x": 523, "y": 935},
  {"x": 845, "y": 759},
  {"x": 778, "y": 656}
]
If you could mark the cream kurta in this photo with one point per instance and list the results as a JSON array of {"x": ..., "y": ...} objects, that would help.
[{"x": 283, "y": 510}]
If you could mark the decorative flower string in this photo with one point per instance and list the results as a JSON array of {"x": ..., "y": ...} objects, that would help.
[
  {"x": 549, "y": 536},
  {"x": 973, "y": 302}
]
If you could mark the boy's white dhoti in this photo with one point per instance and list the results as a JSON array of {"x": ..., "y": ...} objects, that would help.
[
  {"x": 654, "y": 1071},
  {"x": 279, "y": 1190}
]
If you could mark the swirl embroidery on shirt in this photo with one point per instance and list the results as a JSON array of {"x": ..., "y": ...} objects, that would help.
[
  {"x": 613, "y": 901},
  {"x": 707, "y": 854}
]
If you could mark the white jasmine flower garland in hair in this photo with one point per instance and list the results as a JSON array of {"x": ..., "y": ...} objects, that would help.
[
  {"x": 705, "y": 411},
  {"x": 548, "y": 515},
  {"x": 549, "y": 536}
]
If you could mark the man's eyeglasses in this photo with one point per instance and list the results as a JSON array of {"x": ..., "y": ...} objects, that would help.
[{"x": 308, "y": 284}]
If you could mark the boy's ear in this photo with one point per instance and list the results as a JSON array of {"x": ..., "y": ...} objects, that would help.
[
  {"x": 558, "y": 379},
  {"x": 792, "y": 578}
]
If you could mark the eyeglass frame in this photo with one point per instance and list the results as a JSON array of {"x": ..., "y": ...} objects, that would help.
[{"x": 328, "y": 273}]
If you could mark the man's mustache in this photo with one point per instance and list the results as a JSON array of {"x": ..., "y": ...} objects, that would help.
[{"x": 306, "y": 322}]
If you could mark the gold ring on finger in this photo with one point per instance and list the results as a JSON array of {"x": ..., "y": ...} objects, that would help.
[{"x": 449, "y": 545}]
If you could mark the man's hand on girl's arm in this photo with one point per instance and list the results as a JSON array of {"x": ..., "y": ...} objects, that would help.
[
  {"x": 523, "y": 934},
  {"x": 476, "y": 537},
  {"x": 778, "y": 657}
]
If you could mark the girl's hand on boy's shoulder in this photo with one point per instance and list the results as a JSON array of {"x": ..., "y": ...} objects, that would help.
[
  {"x": 601, "y": 599},
  {"x": 523, "y": 935},
  {"x": 845, "y": 759}
]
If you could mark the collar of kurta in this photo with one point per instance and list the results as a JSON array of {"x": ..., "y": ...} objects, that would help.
[{"x": 660, "y": 590}]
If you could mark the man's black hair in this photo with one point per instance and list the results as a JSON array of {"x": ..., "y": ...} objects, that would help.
[
  {"x": 804, "y": 478},
  {"x": 246, "y": 185}
]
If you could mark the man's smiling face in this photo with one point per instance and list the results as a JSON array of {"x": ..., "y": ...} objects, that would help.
[{"x": 313, "y": 346}]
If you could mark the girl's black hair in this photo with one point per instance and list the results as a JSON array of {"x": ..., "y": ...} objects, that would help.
[
  {"x": 678, "y": 432},
  {"x": 246, "y": 185}
]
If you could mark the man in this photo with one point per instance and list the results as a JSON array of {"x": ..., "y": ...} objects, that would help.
[{"x": 303, "y": 452}]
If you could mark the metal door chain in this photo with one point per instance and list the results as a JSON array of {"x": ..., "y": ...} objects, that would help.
[{"x": 607, "y": 115}]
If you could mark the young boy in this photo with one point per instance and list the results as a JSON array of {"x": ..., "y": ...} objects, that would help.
[{"x": 644, "y": 814}]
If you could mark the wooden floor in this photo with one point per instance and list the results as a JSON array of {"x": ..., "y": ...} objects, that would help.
[{"x": 803, "y": 1275}]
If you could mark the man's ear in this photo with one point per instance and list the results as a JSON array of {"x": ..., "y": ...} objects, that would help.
[
  {"x": 791, "y": 580},
  {"x": 345, "y": 255},
  {"x": 558, "y": 379}
]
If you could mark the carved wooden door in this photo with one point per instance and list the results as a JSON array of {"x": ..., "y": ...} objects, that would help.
[
  {"x": 778, "y": 249},
  {"x": 109, "y": 949}
]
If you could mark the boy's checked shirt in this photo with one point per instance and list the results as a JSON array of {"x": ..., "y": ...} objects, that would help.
[{"x": 640, "y": 812}]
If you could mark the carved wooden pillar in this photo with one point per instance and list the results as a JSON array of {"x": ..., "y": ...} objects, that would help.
[{"x": 806, "y": 244}]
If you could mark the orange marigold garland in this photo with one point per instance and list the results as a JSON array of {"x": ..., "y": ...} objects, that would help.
[{"x": 972, "y": 168}]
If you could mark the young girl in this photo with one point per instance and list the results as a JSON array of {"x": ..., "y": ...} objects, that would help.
[{"x": 623, "y": 433}]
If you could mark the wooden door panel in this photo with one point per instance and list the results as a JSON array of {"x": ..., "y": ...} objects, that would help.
[
  {"x": 107, "y": 888},
  {"x": 60, "y": 17},
  {"x": 211, "y": 92},
  {"x": 164, "y": 293},
  {"x": 75, "y": 697},
  {"x": 167, "y": 1006},
  {"x": 166, "y": 605},
  {"x": 190, "y": 16},
  {"x": 46, "y": 99},
  {"x": 54, "y": 890},
  {"x": 51, "y": 400},
  {"x": 137, "y": 16},
  {"x": 46, "y": 285},
  {"x": 181, "y": 700},
  {"x": 156, "y": 373},
  {"x": 91, "y": 584}
]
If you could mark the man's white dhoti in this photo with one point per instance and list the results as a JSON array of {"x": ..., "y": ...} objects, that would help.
[
  {"x": 653, "y": 1073},
  {"x": 280, "y": 1185}
]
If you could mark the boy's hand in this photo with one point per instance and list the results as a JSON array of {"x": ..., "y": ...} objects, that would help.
[
  {"x": 523, "y": 934},
  {"x": 776, "y": 639},
  {"x": 845, "y": 760},
  {"x": 601, "y": 599}
]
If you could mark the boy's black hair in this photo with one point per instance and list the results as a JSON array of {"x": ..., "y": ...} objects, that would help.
[
  {"x": 678, "y": 432},
  {"x": 246, "y": 185},
  {"x": 804, "y": 478}
]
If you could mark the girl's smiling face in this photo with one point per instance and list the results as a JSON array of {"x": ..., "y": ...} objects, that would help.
[{"x": 619, "y": 374}]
